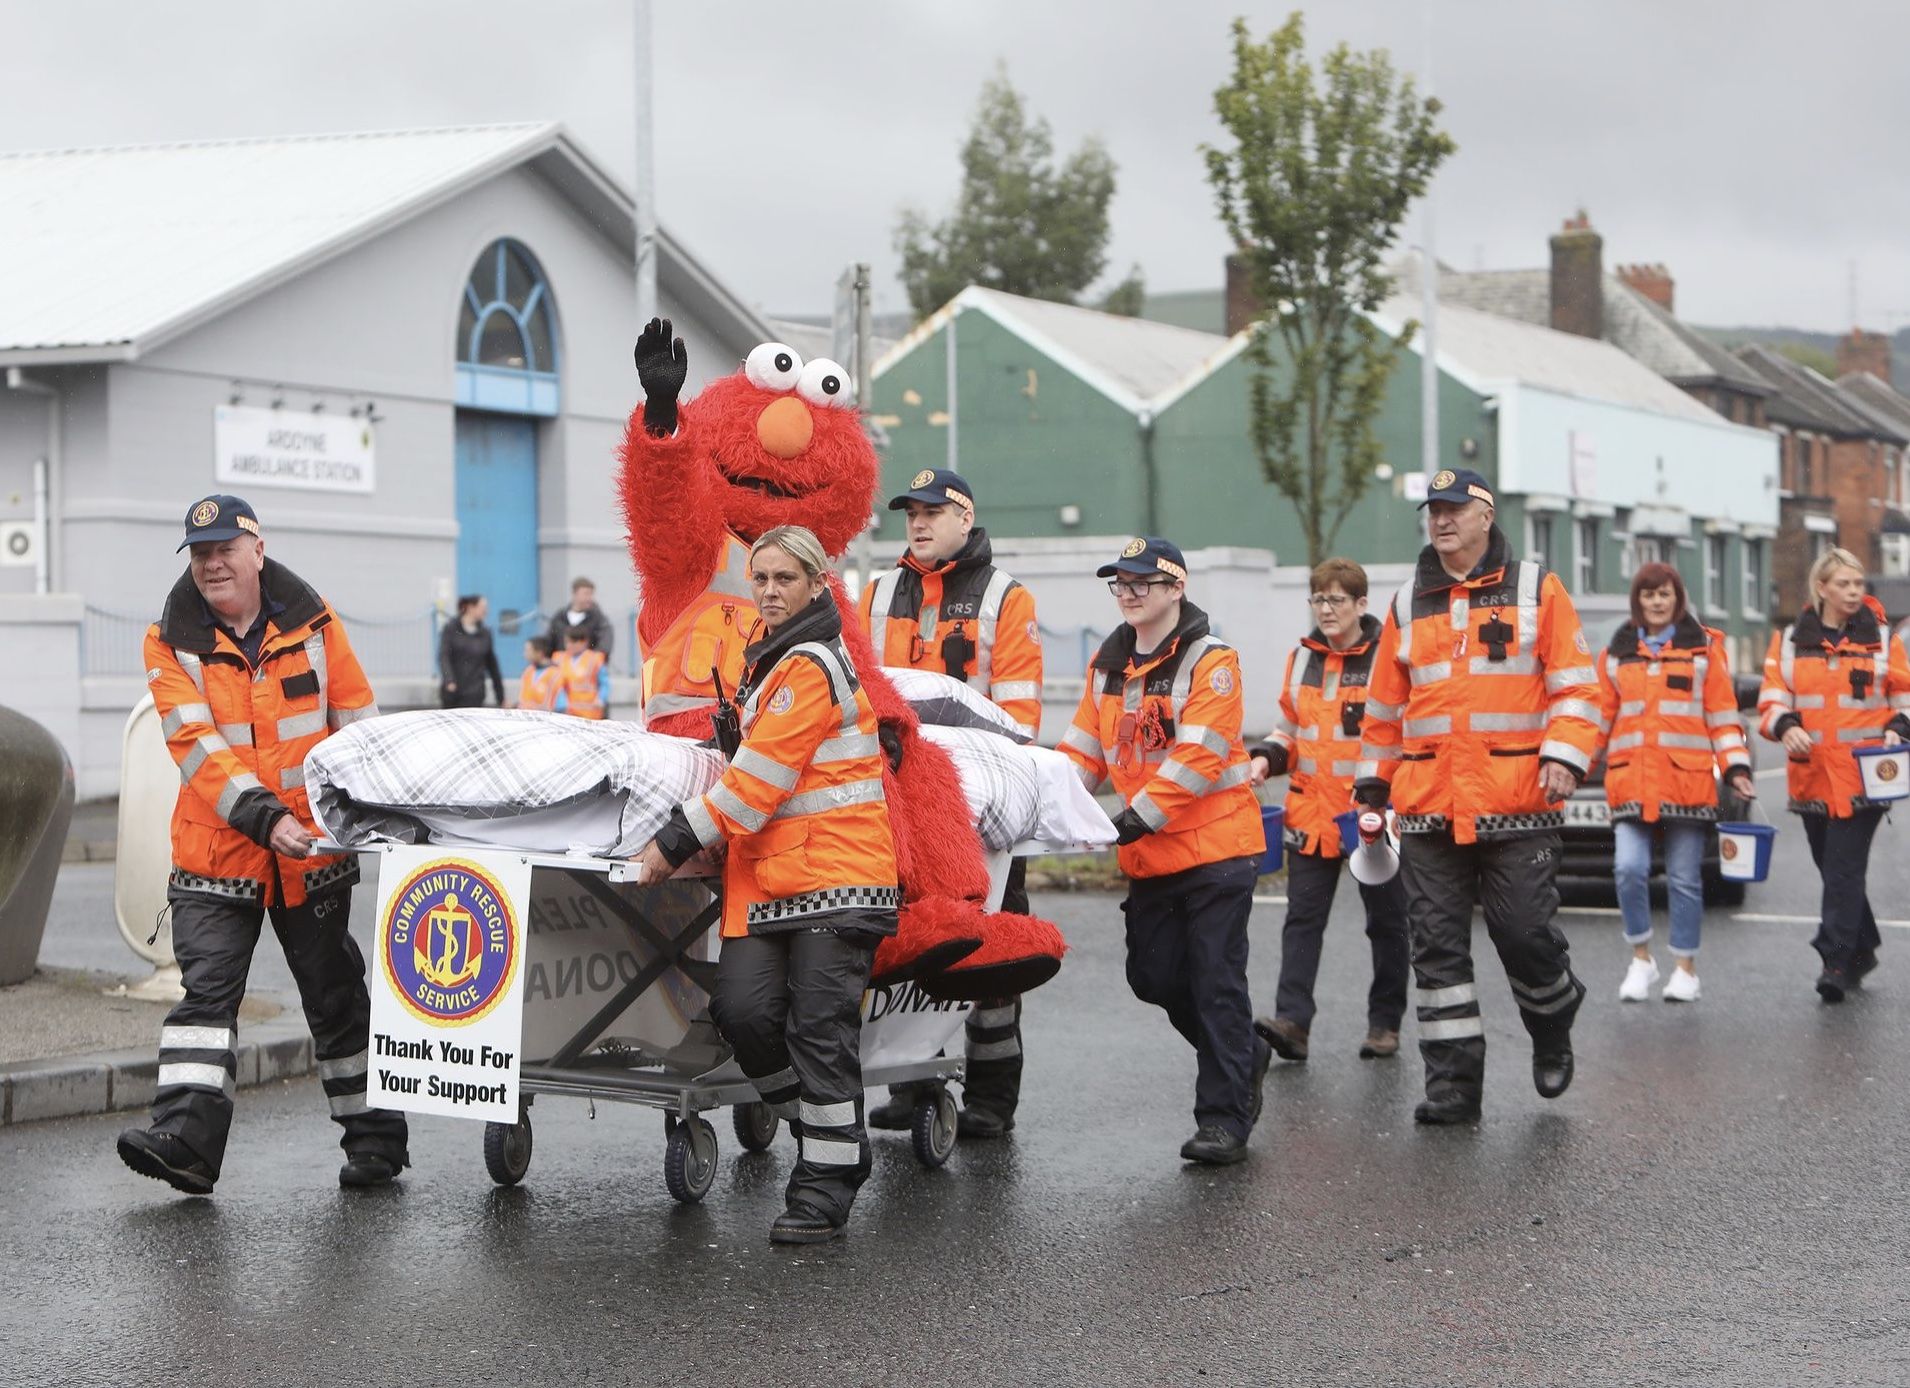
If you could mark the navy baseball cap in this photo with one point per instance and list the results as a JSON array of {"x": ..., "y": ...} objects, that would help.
[
  {"x": 1457, "y": 484},
  {"x": 219, "y": 518},
  {"x": 936, "y": 486},
  {"x": 1147, "y": 554}
]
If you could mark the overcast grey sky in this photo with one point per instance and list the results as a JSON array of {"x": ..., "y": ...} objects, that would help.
[{"x": 1757, "y": 147}]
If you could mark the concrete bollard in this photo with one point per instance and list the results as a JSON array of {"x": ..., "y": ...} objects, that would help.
[{"x": 36, "y": 806}]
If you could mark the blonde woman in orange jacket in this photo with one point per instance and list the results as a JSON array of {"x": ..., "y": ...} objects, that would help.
[
  {"x": 1671, "y": 716},
  {"x": 1836, "y": 679}
]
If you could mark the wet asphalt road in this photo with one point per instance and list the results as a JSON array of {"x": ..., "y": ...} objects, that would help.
[{"x": 1720, "y": 1199}]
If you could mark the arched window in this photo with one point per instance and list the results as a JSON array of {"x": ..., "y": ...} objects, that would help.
[{"x": 507, "y": 335}]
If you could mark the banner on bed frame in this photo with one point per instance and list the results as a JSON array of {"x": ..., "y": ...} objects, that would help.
[{"x": 447, "y": 1001}]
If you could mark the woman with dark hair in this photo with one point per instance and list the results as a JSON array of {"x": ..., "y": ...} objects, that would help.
[
  {"x": 1670, "y": 715},
  {"x": 466, "y": 655},
  {"x": 1833, "y": 680}
]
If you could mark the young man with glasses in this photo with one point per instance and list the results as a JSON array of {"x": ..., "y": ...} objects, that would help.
[
  {"x": 946, "y": 607},
  {"x": 1316, "y": 744},
  {"x": 1161, "y": 718}
]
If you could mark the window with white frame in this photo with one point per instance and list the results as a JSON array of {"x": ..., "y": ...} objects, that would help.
[
  {"x": 1714, "y": 559},
  {"x": 1754, "y": 595},
  {"x": 1585, "y": 554},
  {"x": 1538, "y": 536}
]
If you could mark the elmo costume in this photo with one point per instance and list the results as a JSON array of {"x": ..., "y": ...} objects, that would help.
[{"x": 782, "y": 443}]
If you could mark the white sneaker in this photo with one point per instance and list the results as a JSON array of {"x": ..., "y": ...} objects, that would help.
[
  {"x": 1682, "y": 986},
  {"x": 1638, "y": 980}
]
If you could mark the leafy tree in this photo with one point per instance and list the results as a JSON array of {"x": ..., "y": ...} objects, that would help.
[
  {"x": 1020, "y": 224},
  {"x": 1128, "y": 297},
  {"x": 1313, "y": 192},
  {"x": 1804, "y": 354}
]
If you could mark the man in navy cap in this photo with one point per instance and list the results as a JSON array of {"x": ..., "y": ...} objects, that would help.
[
  {"x": 1482, "y": 716},
  {"x": 946, "y": 607},
  {"x": 249, "y": 670},
  {"x": 1161, "y": 718}
]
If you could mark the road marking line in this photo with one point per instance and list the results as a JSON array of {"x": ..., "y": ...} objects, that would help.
[
  {"x": 1590, "y": 911},
  {"x": 1803, "y": 920},
  {"x": 1271, "y": 900}
]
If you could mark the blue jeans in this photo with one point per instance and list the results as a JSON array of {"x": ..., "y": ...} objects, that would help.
[{"x": 1684, "y": 879}]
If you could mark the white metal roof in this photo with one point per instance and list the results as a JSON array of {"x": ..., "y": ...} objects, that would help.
[
  {"x": 111, "y": 251},
  {"x": 1130, "y": 360}
]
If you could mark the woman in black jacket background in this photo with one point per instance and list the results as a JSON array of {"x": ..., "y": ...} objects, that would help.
[{"x": 466, "y": 655}]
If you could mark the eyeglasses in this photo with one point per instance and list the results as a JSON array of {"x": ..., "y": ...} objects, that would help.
[
  {"x": 1333, "y": 600},
  {"x": 1121, "y": 588}
]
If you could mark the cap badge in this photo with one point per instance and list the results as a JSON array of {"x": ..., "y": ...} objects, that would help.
[
  {"x": 205, "y": 513},
  {"x": 1134, "y": 547},
  {"x": 922, "y": 478},
  {"x": 1443, "y": 479}
]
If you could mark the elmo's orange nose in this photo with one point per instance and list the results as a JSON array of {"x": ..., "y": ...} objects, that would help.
[{"x": 785, "y": 427}]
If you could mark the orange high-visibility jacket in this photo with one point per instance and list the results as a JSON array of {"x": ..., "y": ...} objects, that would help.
[
  {"x": 965, "y": 618},
  {"x": 1475, "y": 683},
  {"x": 1322, "y": 705},
  {"x": 1166, "y": 729},
  {"x": 1669, "y": 718},
  {"x": 580, "y": 679},
  {"x": 537, "y": 687},
  {"x": 801, "y": 804},
  {"x": 240, "y": 735},
  {"x": 1845, "y": 688},
  {"x": 704, "y": 643}
]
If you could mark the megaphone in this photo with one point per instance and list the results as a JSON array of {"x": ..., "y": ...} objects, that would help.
[{"x": 1375, "y": 861}]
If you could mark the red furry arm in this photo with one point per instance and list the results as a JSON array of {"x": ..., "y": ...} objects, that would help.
[
  {"x": 669, "y": 491},
  {"x": 888, "y": 704}
]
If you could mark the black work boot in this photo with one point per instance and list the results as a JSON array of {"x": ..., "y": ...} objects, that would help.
[
  {"x": 1552, "y": 1063},
  {"x": 981, "y": 1121},
  {"x": 1448, "y": 1110},
  {"x": 1288, "y": 1038},
  {"x": 1262, "y": 1058},
  {"x": 1832, "y": 984},
  {"x": 165, "y": 1157},
  {"x": 896, "y": 1113},
  {"x": 363, "y": 1169},
  {"x": 800, "y": 1224},
  {"x": 1213, "y": 1145}
]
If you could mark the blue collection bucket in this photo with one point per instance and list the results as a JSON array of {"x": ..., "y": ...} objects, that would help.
[
  {"x": 1349, "y": 831},
  {"x": 1886, "y": 771},
  {"x": 1273, "y": 822},
  {"x": 1744, "y": 851}
]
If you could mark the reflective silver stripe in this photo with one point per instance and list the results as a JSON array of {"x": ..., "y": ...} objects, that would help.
[
  {"x": 348, "y": 1105},
  {"x": 863, "y": 792},
  {"x": 1502, "y": 722},
  {"x": 1723, "y": 718},
  {"x": 1900, "y": 701},
  {"x": 1624, "y": 742},
  {"x": 1346, "y": 768},
  {"x": 1787, "y": 661},
  {"x": 1307, "y": 766},
  {"x": 1557, "y": 1004},
  {"x": 194, "y": 672},
  {"x": 733, "y": 806},
  {"x": 751, "y": 762},
  {"x": 881, "y": 595},
  {"x": 1700, "y": 667},
  {"x": 993, "y": 1016},
  {"x": 994, "y": 1050},
  {"x": 1565, "y": 752},
  {"x": 828, "y": 1115},
  {"x": 1373, "y": 751},
  {"x": 1282, "y": 738},
  {"x": 1149, "y": 813},
  {"x": 301, "y": 725},
  {"x": 184, "y": 714},
  {"x": 292, "y": 776},
  {"x": 1454, "y": 1029},
  {"x": 1511, "y": 665},
  {"x": 184, "y": 1038},
  {"x": 1859, "y": 734},
  {"x": 702, "y": 822},
  {"x": 234, "y": 788},
  {"x": 1680, "y": 708},
  {"x": 1848, "y": 701},
  {"x": 237, "y": 734},
  {"x": 987, "y": 619},
  {"x": 198, "y": 754},
  {"x": 1576, "y": 708},
  {"x": 1090, "y": 778},
  {"x": 345, "y": 717},
  {"x": 732, "y": 580},
  {"x": 1529, "y": 575},
  {"x": 1801, "y": 700},
  {"x": 1695, "y": 742},
  {"x": 1235, "y": 775},
  {"x": 1557, "y": 681},
  {"x": 841, "y": 684},
  {"x": 1736, "y": 758},
  {"x": 1440, "y": 726},
  {"x": 1307, "y": 734},
  {"x": 819, "y": 1150},
  {"x": 1082, "y": 741},
  {"x": 1008, "y": 691},
  {"x": 1631, "y": 708},
  {"x": 1450, "y": 996},
  {"x": 782, "y": 1079},
  {"x": 1385, "y": 713},
  {"x": 1184, "y": 776},
  {"x": 1213, "y": 741},
  {"x": 181, "y": 1075},
  {"x": 849, "y": 748},
  {"x": 345, "y": 1067},
  {"x": 1539, "y": 992},
  {"x": 1184, "y": 676},
  {"x": 1431, "y": 674}
]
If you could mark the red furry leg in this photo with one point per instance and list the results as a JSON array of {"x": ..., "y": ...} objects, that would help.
[
  {"x": 933, "y": 933},
  {"x": 1018, "y": 954}
]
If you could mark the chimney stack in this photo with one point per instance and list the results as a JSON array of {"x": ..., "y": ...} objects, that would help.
[
  {"x": 1578, "y": 275},
  {"x": 1858, "y": 351},
  {"x": 1653, "y": 281},
  {"x": 1243, "y": 309}
]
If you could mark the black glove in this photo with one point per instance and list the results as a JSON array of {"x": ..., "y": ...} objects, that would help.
[
  {"x": 676, "y": 840},
  {"x": 662, "y": 367},
  {"x": 1128, "y": 827},
  {"x": 891, "y": 741},
  {"x": 1276, "y": 757},
  {"x": 1372, "y": 794}
]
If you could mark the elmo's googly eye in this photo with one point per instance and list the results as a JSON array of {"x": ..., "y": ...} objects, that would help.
[
  {"x": 825, "y": 383},
  {"x": 773, "y": 367}
]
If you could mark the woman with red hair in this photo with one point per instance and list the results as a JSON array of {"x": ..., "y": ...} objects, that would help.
[{"x": 1670, "y": 716}]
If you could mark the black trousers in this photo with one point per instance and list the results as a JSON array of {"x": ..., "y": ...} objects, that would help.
[
  {"x": 1847, "y": 930},
  {"x": 1516, "y": 881},
  {"x": 1312, "y": 881},
  {"x": 992, "y": 1076},
  {"x": 1187, "y": 954},
  {"x": 214, "y": 941},
  {"x": 790, "y": 1003}
]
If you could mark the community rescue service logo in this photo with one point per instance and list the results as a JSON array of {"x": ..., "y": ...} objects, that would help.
[
  {"x": 1134, "y": 547},
  {"x": 450, "y": 948},
  {"x": 782, "y": 700},
  {"x": 1886, "y": 769},
  {"x": 1727, "y": 848},
  {"x": 1222, "y": 681},
  {"x": 205, "y": 513},
  {"x": 923, "y": 478}
]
